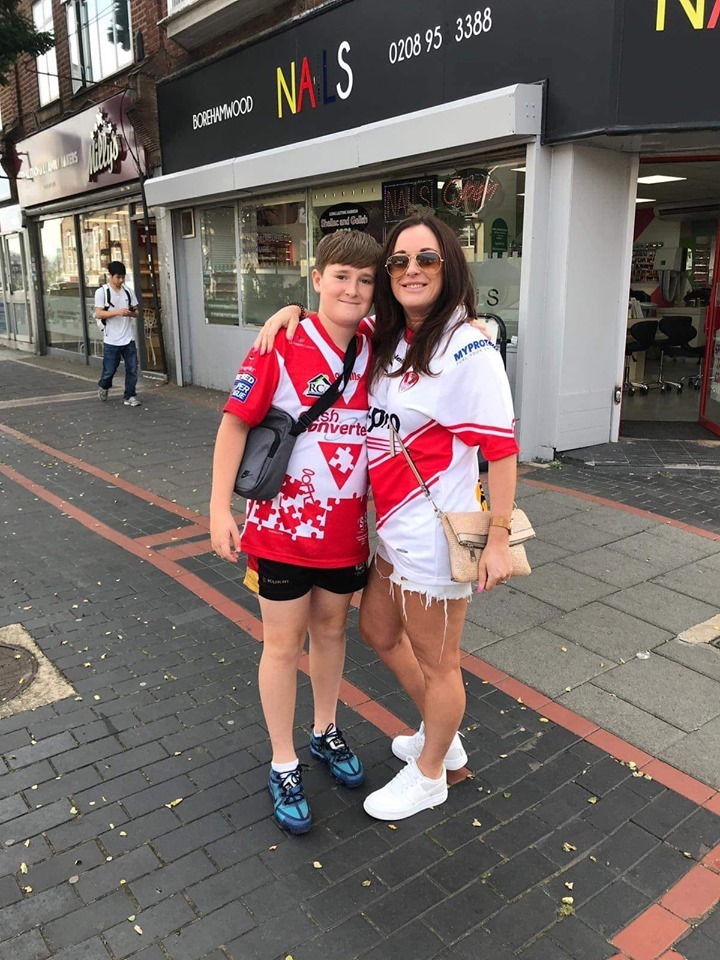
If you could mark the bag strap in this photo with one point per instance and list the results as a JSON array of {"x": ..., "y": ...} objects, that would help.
[
  {"x": 395, "y": 437},
  {"x": 108, "y": 303},
  {"x": 331, "y": 394}
]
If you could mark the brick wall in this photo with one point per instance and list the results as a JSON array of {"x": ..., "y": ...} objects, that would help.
[{"x": 22, "y": 114}]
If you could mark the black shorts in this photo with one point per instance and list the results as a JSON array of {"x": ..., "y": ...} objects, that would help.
[{"x": 285, "y": 581}]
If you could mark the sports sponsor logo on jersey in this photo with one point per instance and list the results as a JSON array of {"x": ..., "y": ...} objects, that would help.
[
  {"x": 469, "y": 349},
  {"x": 318, "y": 385},
  {"x": 244, "y": 382},
  {"x": 408, "y": 381},
  {"x": 377, "y": 417}
]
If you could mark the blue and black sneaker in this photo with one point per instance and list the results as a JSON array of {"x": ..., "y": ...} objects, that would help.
[
  {"x": 290, "y": 807},
  {"x": 332, "y": 749}
]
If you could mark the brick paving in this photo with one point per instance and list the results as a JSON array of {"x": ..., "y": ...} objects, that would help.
[{"x": 166, "y": 710}]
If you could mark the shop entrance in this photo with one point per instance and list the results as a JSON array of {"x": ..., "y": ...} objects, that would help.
[
  {"x": 710, "y": 397},
  {"x": 673, "y": 316},
  {"x": 15, "y": 315}
]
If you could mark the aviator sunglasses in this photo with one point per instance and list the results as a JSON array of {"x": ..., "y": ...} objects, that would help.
[{"x": 429, "y": 261}]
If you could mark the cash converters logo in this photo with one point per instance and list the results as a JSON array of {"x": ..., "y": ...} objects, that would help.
[{"x": 695, "y": 11}]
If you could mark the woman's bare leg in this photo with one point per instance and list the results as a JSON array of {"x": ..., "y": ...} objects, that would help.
[
  {"x": 432, "y": 629},
  {"x": 381, "y": 628}
]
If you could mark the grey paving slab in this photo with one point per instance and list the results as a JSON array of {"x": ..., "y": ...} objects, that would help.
[
  {"x": 542, "y": 551},
  {"x": 682, "y": 539},
  {"x": 615, "y": 521},
  {"x": 666, "y": 690},
  {"x": 608, "y": 632},
  {"x": 700, "y": 580},
  {"x": 476, "y": 638},
  {"x": 622, "y": 718},
  {"x": 666, "y": 551},
  {"x": 662, "y": 607},
  {"x": 537, "y": 657},
  {"x": 549, "y": 506},
  {"x": 573, "y": 535},
  {"x": 505, "y": 612},
  {"x": 611, "y": 566},
  {"x": 699, "y": 657},
  {"x": 562, "y": 587},
  {"x": 698, "y": 753}
]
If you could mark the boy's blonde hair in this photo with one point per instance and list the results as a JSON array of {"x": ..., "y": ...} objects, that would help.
[{"x": 351, "y": 248}]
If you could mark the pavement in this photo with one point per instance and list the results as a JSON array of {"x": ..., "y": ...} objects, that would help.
[{"x": 133, "y": 813}]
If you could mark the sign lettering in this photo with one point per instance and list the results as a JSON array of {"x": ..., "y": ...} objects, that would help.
[{"x": 694, "y": 11}]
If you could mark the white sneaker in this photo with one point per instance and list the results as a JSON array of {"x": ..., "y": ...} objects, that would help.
[
  {"x": 410, "y": 748},
  {"x": 408, "y": 793}
]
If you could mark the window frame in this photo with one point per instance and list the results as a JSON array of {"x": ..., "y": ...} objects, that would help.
[
  {"x": 79, "y": 38},
  {"x": 47, "y": 72}
]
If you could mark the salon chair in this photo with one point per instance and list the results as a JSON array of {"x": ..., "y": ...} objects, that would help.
[
  {"x": 642, "y": 337},
  {"x": 679, "y": 331}
]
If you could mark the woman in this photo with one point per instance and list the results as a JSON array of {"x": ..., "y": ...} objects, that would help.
[{"x": 438, "y": 385}]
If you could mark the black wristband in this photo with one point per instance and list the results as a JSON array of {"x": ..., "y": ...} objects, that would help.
[{"x": 303, "y": 308}]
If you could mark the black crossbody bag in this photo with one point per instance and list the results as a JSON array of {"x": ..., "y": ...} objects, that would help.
[{"x": 270, "y": 444}]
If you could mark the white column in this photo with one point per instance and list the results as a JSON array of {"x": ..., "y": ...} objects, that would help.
[{"x": 573, "y": 310}]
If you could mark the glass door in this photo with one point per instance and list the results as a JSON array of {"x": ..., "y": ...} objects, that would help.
[
  {"x": 17, "y": 321},
  {"x": 710, "y": 398}
]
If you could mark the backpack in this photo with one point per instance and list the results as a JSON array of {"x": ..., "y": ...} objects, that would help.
[{"x": 108, "y": 304}]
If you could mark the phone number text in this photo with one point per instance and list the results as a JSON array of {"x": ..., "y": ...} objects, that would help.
[{"x": 466, "y": 27}]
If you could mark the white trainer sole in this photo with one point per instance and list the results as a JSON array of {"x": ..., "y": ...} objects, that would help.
[{"x": 418, "y": 807}]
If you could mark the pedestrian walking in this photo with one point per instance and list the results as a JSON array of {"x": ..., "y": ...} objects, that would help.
[{"x": 115, "y": 308}]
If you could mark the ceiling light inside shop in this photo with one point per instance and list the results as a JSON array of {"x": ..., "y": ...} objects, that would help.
[
  {"x": 659, "y": 178},
  {"x": 521, "y": 194},
  {"x": 645, "y": 200},
  {"x": 519, "y": 169}
]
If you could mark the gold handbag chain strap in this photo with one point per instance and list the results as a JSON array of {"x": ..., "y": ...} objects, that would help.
[{"x": 395, "y": 437}]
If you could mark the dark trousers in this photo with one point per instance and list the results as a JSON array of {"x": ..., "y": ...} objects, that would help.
[{"x": 112, "y": 356}]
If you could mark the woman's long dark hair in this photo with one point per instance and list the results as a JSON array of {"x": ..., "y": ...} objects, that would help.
[{"x": 458, "y": 290}]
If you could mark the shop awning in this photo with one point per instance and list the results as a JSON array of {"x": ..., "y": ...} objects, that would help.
[{"x": 503, "y": 116}]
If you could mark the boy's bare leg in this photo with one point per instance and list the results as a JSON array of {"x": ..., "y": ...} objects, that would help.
[
  {"x": 284, "y": 630},
  {"x": 328, "y": 618}
]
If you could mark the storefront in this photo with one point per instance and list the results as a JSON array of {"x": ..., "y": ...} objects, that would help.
[
  {"x": 80, "y": 193},
  {"x": 17, "y": 322},
  {"x": 527, "y": 143}
]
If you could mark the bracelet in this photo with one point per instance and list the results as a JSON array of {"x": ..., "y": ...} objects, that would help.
[
  {"x": 504, "y": 522},
  {"x": 303, "y": 308}
]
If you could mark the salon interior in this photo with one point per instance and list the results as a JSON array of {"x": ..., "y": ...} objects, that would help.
[{"x": 672, "y": 355}]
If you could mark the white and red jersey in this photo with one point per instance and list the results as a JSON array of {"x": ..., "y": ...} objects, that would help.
[
  {"x": 442, "y": 420},
  {"x": 319, "y": 517}
]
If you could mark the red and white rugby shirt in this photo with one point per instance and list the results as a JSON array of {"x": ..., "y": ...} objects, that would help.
[
  {"x": 319, "y": 517},
  {"x": 442, "y": 420}
]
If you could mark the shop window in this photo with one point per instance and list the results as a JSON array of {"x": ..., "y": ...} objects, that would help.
[
  {"x": 61, "y": 285},
  {"x": 46, "y": 64},
  {"x": 274, "y": 255},
  {"x": 99, "y": 38},
  {"x": 219, "y": 259},
  {"x": 104, "y": 236}
]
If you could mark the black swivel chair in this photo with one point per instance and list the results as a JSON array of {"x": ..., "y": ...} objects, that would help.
[
  {"x": 642, "y": 337},
  {"x": 679, "y": 332}
]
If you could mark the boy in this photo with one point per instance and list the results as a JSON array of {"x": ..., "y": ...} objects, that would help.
[
  {"x": 115, "y": 307},
  {"x": 308, "y": 548}
]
